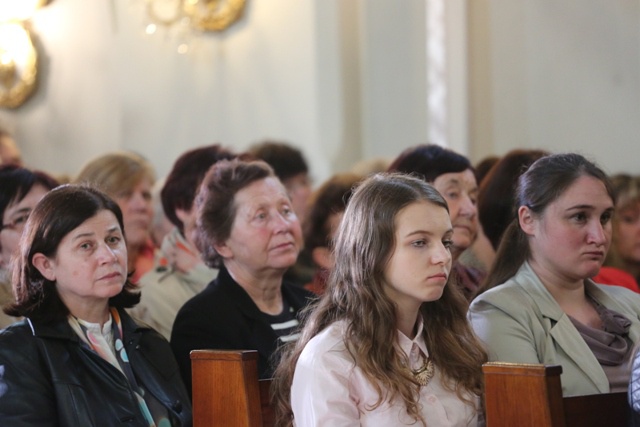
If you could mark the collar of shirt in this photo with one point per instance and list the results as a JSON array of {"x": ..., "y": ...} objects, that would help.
[{"x": 414, "y": 348}]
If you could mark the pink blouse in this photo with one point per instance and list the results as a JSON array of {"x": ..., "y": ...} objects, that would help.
[{"x": 329, "y": 390}]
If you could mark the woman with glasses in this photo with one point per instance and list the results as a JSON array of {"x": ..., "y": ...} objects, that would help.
[{"x": 20, "y": 190}]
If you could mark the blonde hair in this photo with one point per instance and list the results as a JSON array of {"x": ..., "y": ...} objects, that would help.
[
  {"x": 627, "y": 190},
  {"x": 117, "y": 173}
]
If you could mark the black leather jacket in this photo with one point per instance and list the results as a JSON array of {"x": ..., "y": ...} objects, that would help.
[{"x": 48, "y": 378}]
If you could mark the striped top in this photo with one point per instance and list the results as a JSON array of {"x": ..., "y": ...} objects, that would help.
[{"x": 285, "y": 324}]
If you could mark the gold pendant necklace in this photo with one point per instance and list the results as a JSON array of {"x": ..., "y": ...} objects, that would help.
[{"x": 424, "y": 374}]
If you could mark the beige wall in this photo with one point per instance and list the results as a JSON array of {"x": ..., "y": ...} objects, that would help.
[
  {"x": 342, "y": 79},
  {"x": 560, "y": 75},
  {"x": 325, "y": 75}
]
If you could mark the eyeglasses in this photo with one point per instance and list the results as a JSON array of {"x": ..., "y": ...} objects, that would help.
[{"x": 18, "y": 221}]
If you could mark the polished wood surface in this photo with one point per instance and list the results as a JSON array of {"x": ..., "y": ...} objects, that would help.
[
  {"x": 226, "y": 390},
  {"x": 531, "y": 396}
]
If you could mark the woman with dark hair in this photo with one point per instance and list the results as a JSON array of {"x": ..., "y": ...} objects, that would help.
[
  {"x": 452, "y": 175},
  {"x": 20, "y": 190},
  {"x": 291, "y": 168},
  {"x": 496, "y": 195},
  {"x": 179, "y": 272},
  {"x": 128, "y": 178},
  {"x": 326, "y": 207},
  {"x": 77, "y": 358},
  {"x": 388, "y": 343},
  {"x": 542, "y": 306},
  {"x": 247, "y": 228}
]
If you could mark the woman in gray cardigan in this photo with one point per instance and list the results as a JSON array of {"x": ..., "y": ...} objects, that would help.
[{"x": 542, "y": 306}]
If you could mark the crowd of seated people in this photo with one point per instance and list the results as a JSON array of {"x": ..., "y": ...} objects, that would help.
[{"x": 372, "y": 299}]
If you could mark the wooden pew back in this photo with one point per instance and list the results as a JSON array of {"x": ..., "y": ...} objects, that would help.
[
  {"x": 226, "y": 390},
  {"x": 531, "y": 396}
]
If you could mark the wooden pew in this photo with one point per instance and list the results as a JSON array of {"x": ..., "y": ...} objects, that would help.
[
  {"x": 226, "y": 390},
  {"x": 526, "y": 395}
]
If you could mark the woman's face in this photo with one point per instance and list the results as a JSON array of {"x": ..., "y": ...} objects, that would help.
[
  {"x": 14, "y": 218},
  {"x": 266, "y": 233},
  {"x": 460, "y": 190},
  {"x": 570, "y": 240},
  {"x": 137, "y": 212},
  {"x": 419, "y": 266},
  {"x": 299, "y": 189},
  {"x": 627, "y": 232},
  {"x": 90, "y": 264}
]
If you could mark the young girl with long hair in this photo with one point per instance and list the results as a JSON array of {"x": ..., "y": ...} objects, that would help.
[{"x": 388, "y": 343}]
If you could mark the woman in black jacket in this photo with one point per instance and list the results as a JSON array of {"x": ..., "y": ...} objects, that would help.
[
  {"x": 246, "y": 227},
  {"x": 78, "y": 359}
]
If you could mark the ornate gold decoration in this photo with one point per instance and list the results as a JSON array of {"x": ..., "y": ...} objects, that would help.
[
  {"x": 18, "y": 65},
  {"x": 213, "y": 15}
]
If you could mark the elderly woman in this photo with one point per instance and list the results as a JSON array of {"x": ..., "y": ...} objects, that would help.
[
  {"x": 20, "y": 190},
  {"x": 78, "y": 359},
  {"x": 128, "y": 178},
  {"x": 542, "y": 306},
  {"x": 246, "y": 227}
]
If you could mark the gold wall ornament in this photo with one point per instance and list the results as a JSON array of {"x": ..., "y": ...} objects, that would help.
[
  {"x": 213, "y": 15},
  {"x": 18, "y": 65}
]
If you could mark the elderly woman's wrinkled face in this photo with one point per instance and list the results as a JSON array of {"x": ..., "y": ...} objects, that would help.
[
  {"x": 266, "y": 233},
  {"x": 13, "y": 221},
  {"x": 90, "y": 264},
  {"x": 460, "y": 191}
]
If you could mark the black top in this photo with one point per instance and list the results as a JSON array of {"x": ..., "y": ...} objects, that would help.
[
  {"x": 48, "y": 377},
  {"x": 223, "y": 316}
]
